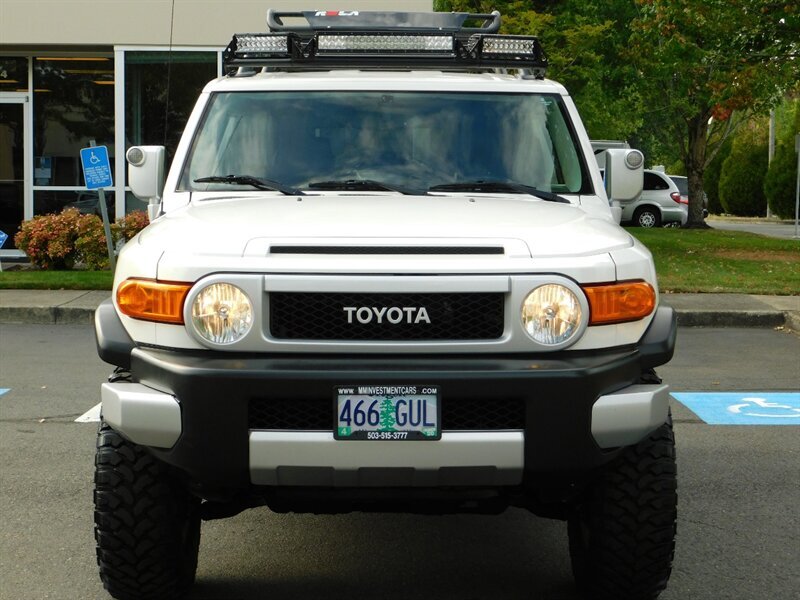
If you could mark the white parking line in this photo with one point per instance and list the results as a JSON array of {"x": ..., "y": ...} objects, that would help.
[{"x": 90, "y": 416}]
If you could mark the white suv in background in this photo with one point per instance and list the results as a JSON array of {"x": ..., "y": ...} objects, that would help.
[{"x": 661, "y": 203}]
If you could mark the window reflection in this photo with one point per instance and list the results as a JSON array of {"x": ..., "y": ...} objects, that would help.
[
  {"x": 12, "y": 172},
  {"x": 73, "y": 104},
  {"x": 13, "y": 74},
  {"x": 147, "y": 120},
  {"x": 86, "y": 201}
]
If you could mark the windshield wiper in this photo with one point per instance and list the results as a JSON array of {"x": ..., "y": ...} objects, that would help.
[
  {"x": 363, "y": 185},
  {"x": 488, "y": 187},
  {"x": 256, "y": 182}
]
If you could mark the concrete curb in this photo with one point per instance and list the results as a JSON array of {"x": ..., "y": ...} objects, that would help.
[
  {"x": 45, "y": 315},
  {"x": 731, "y": 318},
  {"x": 49, "y": 306}
]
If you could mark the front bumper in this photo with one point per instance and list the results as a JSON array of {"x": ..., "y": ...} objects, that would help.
[{"x": 192, "y": 409}]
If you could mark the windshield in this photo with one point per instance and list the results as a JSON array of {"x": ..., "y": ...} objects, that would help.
[{"x": 415, "y": 140}]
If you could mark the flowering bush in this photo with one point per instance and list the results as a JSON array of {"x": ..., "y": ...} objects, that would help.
[
  {"x": 58, "y": 241},
  {"x": 49, "y": 240},
  {"x": 91, "y": 243},
  {"x": 131, "y": 224}
]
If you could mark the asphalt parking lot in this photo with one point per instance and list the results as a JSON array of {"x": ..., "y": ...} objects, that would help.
[{"x": 738, "y": 521}]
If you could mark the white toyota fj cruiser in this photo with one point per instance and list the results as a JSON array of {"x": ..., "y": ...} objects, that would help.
[{"x": 383, "y": 273}]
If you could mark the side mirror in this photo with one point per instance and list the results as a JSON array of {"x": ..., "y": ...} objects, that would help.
[
  {"x": 146, "y": 176},
  {"x": 624, "y": 174}
]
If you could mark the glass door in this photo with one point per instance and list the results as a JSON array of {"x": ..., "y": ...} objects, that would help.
[{"x": 12, "y": 166}]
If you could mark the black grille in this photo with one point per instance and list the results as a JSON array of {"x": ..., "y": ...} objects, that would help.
[
  {"x": 317, "y": 414},
  {"x": 324, "y": 316}
]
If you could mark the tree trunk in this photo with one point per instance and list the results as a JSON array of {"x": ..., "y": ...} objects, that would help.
[{"x": 695, "y": 162}]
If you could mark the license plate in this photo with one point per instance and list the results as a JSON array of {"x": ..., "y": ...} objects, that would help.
[{"x": 387, "y": 412}]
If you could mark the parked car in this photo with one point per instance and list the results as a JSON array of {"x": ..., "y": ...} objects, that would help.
[
  {"x": 660, "y": 203},
  {"x": 683, "y": 186}
]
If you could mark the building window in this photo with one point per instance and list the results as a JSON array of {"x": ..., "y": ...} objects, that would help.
[
  {"x": 13, "y": 74},
  {"x": 148, "y": 120},
  {"x": 73, "y": 107}
]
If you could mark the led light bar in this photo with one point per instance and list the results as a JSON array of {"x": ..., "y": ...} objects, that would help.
[
  {"x": 358, "y": 43},
  {"x": 353, "y": 40},
  {"x": 261, "y": 44},
  {"x": 517, "y": 45}
]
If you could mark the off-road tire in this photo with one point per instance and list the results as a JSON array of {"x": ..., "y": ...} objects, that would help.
[
  {"x": 622, "y": 537},
  {"x": 147, "y": 527},
  {"x": 647, "y": 216}
]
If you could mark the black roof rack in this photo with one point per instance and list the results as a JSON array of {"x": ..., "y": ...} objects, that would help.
[{"x": 359, "y": 39}]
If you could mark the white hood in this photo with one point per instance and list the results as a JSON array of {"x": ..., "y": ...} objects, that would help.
[{"x": 225, "y": 226}]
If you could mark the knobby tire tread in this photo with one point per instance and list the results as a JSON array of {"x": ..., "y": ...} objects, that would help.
[
  {"x": 631, "y": 518},
  {"x": 147, "y": 528}
]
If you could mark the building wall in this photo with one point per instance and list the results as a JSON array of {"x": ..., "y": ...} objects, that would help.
[{"x": 147, "y": 22}]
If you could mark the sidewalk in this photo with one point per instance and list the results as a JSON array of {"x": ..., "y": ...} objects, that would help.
[{"x": 694, "y": 310}]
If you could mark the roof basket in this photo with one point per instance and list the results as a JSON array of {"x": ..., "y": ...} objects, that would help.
[
  {"x": 354, "y": 20},
  {"x": 357, "y": 39}
]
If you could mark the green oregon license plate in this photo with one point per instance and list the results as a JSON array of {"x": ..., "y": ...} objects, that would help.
[{"x": 387, "y": 412}]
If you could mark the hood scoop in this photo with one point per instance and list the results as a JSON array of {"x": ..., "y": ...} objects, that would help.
[{"x": 393, "y": 250}]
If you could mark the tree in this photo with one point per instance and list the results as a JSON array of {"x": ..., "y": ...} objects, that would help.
[
  {"x": 780, "y": 183},
  {"x": 584, "y": 42},
  {"x": 701, "y": 61},
  {"x": 712, "y": 175},
  {"x": 741, "y": 182},
  {"x": 387, "y": 416}
]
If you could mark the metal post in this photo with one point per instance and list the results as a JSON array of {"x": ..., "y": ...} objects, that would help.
[
  {"x": 112, "y": 259},
  {"x": 771, "y": 151},
  {"x": 797, "y": 190},
  {"x": 107, "y": 228}
]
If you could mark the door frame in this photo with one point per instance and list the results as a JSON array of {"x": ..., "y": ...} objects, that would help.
[{"x": 24, "y": 100}]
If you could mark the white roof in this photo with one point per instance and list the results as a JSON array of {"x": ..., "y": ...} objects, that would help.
[{"x": 385, "y": 80}]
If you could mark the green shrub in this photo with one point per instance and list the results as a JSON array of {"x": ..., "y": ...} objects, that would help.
[
  {"x": 741, "y": 183},
  {"x": 780, "y": 184},
  {"x": 711, "y": 178},
  {"x": 58, "y": 241}
]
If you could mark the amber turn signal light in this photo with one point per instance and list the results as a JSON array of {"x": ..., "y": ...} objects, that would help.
[
  {"x": 619, "y": 302},
  {"x": 151, "y": 300}
]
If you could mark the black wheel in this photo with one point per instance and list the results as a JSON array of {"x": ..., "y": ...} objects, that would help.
[
  {"x": 647, "y": 216},
  {"x": 622, "y": 537},
  {"x": 147, "y": 527}
]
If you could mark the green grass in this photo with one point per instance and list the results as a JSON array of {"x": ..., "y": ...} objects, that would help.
[
  {"x": 56, "y": 280},
  {"x": 711, "y": 260},
  {"x": 687, "y": 260}
]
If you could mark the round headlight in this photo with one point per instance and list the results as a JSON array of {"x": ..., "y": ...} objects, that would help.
[
  {"x": 222, "y": 313},
  {"x": 551, "y": 314}
]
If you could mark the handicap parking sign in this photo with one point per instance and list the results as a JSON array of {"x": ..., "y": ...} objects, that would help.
[
  {"x": 3, "y": 238},
  {"x": 96, "y": 167}
]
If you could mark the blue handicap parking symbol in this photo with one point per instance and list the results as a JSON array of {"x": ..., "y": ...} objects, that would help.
[
  {"x": 4, "y": 390},
  {"x": 96, "y": 167},
  {"x": 3, "y": 238},
  {"x": 743, "y": 408}
]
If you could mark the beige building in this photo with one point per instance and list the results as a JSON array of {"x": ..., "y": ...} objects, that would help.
[{"x": 114, "y": 73}]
